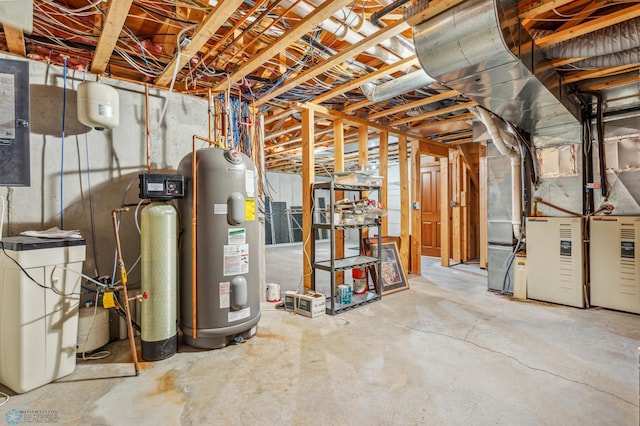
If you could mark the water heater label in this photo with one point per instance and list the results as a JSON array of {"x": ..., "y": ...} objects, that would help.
[
  {"x": 237, "y": 236},
  {"x": 220, "y": 208},
  {"x": 565, "y": 248},
  {"x": 225, "y": 292},
  {"x": 249, "y": 209},
  {"x": 250, "y": 182},
  {"x": 236, "y": 259},
  {"x": 238, "y": 315}
]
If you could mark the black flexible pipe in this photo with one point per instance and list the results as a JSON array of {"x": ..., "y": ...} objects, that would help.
[
  {"x": 600, "y": 125},
  {"x": 588, "y": 163},
  {"x": 375, "y": 16}
]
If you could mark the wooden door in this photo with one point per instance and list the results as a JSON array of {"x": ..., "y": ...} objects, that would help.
[{"x": 430, "y": 202}]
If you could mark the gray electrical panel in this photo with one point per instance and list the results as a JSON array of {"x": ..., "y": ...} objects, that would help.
[{"x": 14, "y": 123}]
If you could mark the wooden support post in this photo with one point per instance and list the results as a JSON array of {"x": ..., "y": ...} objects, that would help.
[
  {"x": 464, "y": 207},
  {"x": 484, "y": 237},
  {"x": 456, "y": 213},
  {"x": 384, "y": 172},
  {"x": 404, "y": 201},
  {"x": 445, "y": 199},
  {"x": 363, "y": 158},
  {"x": 338, "y": 149},
  {"x": 416, "y": 214},
  {"x": 308, "y": 176}
]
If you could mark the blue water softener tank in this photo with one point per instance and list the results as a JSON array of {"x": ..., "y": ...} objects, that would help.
[{"x": 227, "y": 301}]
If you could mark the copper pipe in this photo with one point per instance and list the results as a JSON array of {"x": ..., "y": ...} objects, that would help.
[
  {"x": 194, "y": 231},
  {"x": 123, "y": 272},
  {"x": 217, "y": 117},
  {"x": 537, "y": 200},
  {"x": 146, "y": 130},
  {"x": 194, "y": 237},
  {"x": 209, "y": 111}
]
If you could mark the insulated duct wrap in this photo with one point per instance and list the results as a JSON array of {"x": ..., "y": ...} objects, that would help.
[
  {"x": 613, "y": 39},
  {"x": 480, "y": 49},
  {"x": 626, "y": 57}
]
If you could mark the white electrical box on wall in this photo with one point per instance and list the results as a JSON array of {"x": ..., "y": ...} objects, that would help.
[
  {"x": 555, "y": 271},
  {"x": 615, "y": 277}
]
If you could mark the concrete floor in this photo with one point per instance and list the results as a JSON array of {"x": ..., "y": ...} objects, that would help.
[{"x": 445, "y": 352}]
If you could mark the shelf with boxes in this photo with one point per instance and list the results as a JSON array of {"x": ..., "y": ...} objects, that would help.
[{"x": 360, "y": 214}]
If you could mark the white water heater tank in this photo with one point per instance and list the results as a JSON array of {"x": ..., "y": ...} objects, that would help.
[{"x": 98, "y": 105}]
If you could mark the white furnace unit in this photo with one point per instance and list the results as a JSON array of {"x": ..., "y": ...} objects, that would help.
[
  {"x": 614, "y": 262},
  {"x": 555, "y": 271}
]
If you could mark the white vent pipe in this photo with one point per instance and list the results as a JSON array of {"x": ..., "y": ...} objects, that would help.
[
  {"x": 506, "y": 145},
  {"x": 351, "y": 27},
  {"x": 397, "y": 86}
]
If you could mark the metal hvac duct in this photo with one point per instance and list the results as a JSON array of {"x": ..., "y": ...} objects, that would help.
[
  {"x": 480, "y": 49},
  {"x": 397, "y": 86}
]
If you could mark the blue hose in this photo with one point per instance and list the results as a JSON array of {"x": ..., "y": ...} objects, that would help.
[{"x": 64, "y": 110}]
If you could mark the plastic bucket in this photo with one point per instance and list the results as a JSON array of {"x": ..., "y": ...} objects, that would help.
[
  {"x": 273, "y": 292},
  {"x": 359, "y": 285}
]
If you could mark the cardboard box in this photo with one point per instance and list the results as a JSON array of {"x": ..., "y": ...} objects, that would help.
[
  {"x": 290, "y": 300},
  {"x": 311, "y": 304}
]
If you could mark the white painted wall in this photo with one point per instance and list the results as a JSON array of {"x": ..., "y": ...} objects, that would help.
[
  {"x": 285, "y": 187},
  {"x": 393, "y": 200},
  {"x": 109, "y": 160}
]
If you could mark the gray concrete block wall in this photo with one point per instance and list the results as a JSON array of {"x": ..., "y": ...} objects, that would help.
[{"x": 115, "y": 158}]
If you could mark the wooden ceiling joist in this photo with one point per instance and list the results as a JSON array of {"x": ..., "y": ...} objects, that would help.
[
  {"x": 357, "y": 105},
  {"x": 116, "y": 15},
  {"x": 434, "y": 8},
  {"x": 381, "y": 35},
  {"x": 436, "y": 113},
  {"x": 590, "y": 26},
  {"x": 437, "y": 149},
  {"x": 633, "y": 79},
  {"x": 275, "y": 117},
  {"x": 382, "y": 71},
  {"x": 539, "y": 7},
  {"x": 319, "y": 14},
  {"x": 603, "y": 72},
  {"x": 455, "y": 123},
  {"x": 15, "y": 40},
  {"x": 416, "y": 104},
  {"x": 216, "y": 18}
]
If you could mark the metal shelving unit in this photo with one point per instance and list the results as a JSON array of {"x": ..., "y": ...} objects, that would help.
[{"x": 333, "y": 264}]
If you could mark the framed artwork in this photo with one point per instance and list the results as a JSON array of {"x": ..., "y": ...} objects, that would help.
[{"x": 392, "y": 275}]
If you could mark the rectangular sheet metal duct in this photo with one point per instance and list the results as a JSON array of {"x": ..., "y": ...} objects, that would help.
[{"x": 480, "y": 49}]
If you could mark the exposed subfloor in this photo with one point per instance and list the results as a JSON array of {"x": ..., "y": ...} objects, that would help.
[{"x": 444, "y": 352}]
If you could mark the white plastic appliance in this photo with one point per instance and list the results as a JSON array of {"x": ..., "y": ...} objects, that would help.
[{"x": 555, "y": 271}]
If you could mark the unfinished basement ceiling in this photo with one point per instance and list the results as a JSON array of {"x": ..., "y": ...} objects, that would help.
[{"x": 277, "y": 54}]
